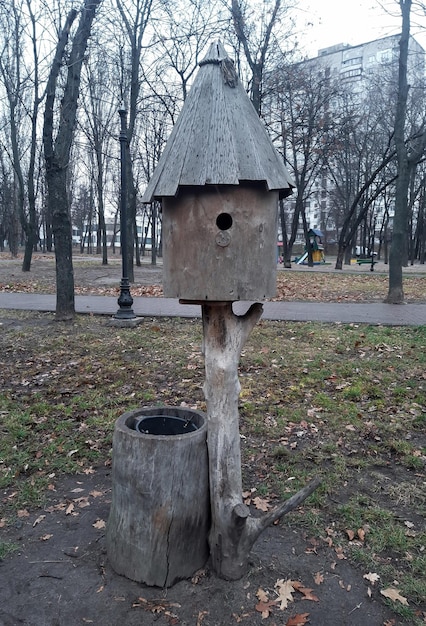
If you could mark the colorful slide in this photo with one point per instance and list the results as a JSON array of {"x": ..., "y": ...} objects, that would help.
[{"x": 302, "y": 258}]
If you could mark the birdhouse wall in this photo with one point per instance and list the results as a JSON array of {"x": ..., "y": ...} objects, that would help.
[{"x": 219, "y": 244}]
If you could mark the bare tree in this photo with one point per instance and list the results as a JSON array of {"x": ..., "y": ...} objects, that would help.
[
  {"x": 57, "y": 148},
  {"x": 135, "y": 16},
  {"x": 20, "y": 74},
  {"x": 408, "y": 155},
  {"x": 96, "y": 122},
  {"x": 254, "y": 28},
  {"x": 303, "y": 123}
]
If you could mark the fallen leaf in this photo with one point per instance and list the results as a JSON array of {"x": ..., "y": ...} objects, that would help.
[
  {"x": 69, "y": 509},
  {"x": 262, "y": 595},
  {"x": 339, "y": 553},
  {"x": 306, "y": 591},
  {"x": 343, "y": 586},
  {"x": 199, "y": 574},
  {"x": 46, "y": 537},
  {"x": 285, "y": 592},
  {"x": 201, "y": 616},
  {"x": 96, "y": 494},
  {"x": 393, "y": 594},
  {"x": 261, "y": 504},
  {"x": 101, "y": 588},
  {"x": 265, "y": 607},
  {"x": 350, "y": 534},
  {"x": 298, "y": 620},
  {"x": 318, "y": 578},
  {"x": 100, "y": 523},
  {"x": 38, "y": 520},
  {"x": 361, "y": 534},
  {"x": 372, "y": 577},
  {"x": 23, "y": 513}
]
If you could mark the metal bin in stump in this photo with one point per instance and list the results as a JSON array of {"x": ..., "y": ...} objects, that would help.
[{"x": 160, "y": 511}]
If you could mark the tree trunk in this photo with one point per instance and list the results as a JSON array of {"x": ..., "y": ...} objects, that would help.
[
  {"x": 396, "y": 292},
  {"x": 233, "y": 531},
  {"x": 62, "y": 233},
  {"x": 57, "y": 151}
]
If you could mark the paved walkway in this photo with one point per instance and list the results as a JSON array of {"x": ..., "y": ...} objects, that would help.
[{"x": 375, "y": 313}]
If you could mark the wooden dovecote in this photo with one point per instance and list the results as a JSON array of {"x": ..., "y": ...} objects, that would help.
[{"x": 219, "y": 179}]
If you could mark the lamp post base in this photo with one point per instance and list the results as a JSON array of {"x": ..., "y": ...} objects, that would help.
[{"x": 125, "y": 301}]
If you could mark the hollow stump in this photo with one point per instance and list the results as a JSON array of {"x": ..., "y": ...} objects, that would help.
[{"x": 160, "y": 512}]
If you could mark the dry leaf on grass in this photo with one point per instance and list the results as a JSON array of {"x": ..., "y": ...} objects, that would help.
[
  {"x": 372, "y": 577},
  {"x": 261, "y": 504},
  {"x": 393, "y": 594},
  {"x": 339, "y": 553}
]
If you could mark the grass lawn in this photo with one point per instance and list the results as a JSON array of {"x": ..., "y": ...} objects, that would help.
[{"x": 345, "y": 402}]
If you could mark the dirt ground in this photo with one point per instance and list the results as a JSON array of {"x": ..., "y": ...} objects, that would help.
[{"x": 60, "y": 575}]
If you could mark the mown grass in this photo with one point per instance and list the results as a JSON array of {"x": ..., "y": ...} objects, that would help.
[{"x": 346, "y": 402}]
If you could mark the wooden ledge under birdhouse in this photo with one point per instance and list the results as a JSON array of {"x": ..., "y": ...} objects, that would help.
[{"x": 219, "y": 243}]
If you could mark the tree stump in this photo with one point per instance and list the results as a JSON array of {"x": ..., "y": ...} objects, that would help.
[{"x": 160, "y": 512}]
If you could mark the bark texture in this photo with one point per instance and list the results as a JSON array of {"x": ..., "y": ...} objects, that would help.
[
  {"x": 57, "y": 150},
  {"x": 233, "y": 531},
  {"x": 160, "y": 511}
]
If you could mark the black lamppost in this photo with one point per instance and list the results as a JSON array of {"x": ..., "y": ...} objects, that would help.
[
  {"x": 372, "y": 245},
  {"x": 125, "y": 300}
]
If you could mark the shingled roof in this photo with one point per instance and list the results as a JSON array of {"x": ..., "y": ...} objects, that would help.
[{"x": 218, "y": 138}]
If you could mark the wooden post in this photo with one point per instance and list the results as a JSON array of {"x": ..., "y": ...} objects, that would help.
[{"x": 233, "y": 531}]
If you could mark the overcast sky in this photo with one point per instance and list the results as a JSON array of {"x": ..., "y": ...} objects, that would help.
[{"x": 352, "y": 22}]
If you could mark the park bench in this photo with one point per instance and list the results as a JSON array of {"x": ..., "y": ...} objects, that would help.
[{"x": 365, "y": 261}]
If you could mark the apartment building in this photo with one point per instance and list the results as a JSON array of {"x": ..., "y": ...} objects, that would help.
[{"x": 352, "y": 67}]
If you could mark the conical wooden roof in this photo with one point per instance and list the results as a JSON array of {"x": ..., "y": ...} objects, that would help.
[{"x": 218, "y": 138}]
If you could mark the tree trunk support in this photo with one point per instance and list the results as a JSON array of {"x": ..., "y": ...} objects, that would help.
[{"x": 233, "y": 530}]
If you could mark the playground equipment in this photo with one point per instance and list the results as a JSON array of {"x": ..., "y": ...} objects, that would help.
[{"x": 315, "y": 242}]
